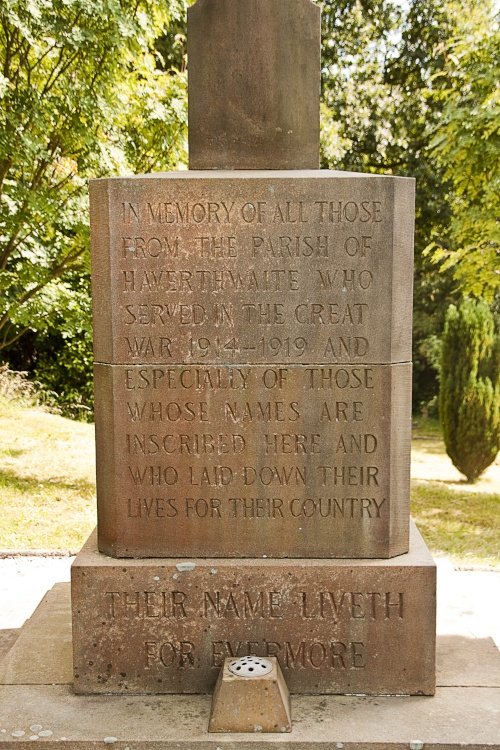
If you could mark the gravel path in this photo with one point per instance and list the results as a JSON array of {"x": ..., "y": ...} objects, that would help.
[{"x": 468, "y": 600}]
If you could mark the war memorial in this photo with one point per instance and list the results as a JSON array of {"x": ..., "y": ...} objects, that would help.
[{"x": 252, "y": 340}]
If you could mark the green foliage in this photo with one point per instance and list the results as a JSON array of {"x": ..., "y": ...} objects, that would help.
[
  {"x": 470, "y": 387},
  {"x": 81, "y": 96},
  {"x": 466, "y": 145},
  {"x": 64, "y": 367},
  {"x": 380, "y": 61},
  {"x": 98, "y": 87}
]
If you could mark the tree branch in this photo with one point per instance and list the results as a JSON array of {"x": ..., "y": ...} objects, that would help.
[{"x": 8, "y": 342}]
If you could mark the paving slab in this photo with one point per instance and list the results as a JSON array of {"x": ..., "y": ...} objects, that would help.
[
  {"x": 7, "y": 639},
  {"x": 41, "y": 654},
  {"x": 453, "y": 718}
]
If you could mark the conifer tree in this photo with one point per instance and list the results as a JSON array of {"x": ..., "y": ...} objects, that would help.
[{"x": 469, "y": 400}]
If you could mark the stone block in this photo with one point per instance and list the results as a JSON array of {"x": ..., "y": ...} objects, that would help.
[
  {"x": 335, "y": 626},
  {"x": 252, "y": 267},
  {"x": 42, "y": 652},
  {"x": 240, "y": 117},
  {"x": 289, "y": 461},
  {"x": 258, "y": 704}
]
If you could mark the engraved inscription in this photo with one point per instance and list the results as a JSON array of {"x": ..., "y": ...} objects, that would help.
[
  {"x": 337, "y": 607},
  {"x": 243, "y": 267},
  {"x": 253, "y": 336},
  {"x": 338, "y": 655},
  {"x": 297, "y": 450}
]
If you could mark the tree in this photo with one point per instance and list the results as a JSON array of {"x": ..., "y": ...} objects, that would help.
[
  {"x": 81, "y": 96},
  {"x": 380, "y": 65},
  {"x": 466, "y": 146},
  {"x": 469, "y": 398}
]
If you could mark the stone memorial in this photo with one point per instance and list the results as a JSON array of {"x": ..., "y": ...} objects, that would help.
[{"x": 252, "y": 321}]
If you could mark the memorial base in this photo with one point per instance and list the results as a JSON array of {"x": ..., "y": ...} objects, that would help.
[
  {"x": 36, "y": 688},
  {"x": 335, "y": 626}
]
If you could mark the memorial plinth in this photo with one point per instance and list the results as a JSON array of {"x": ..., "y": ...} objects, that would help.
[{"x": 166, "y": 626}]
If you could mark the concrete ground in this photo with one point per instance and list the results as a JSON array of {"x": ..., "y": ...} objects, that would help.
[{"x": 468, "y": 600}]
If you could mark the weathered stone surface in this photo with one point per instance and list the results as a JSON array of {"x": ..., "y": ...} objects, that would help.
[
  {"x": 7, "y": 639},
  {"x": 455, "y": 719},
  {"x": 252, "y": 267},
  {"x": 460, "y": 661},
  {"x": 288, "y": 461},
  {"x": 291, "y": 273},
  {"x": 254, "y": 84},
  {"x": 42, "y": 651},
  {"x": 166, "y": 625},
  {"x": 257, "y": 704}
]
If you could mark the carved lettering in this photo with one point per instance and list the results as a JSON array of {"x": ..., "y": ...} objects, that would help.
[
  {"x": 263, "y": 314},
  {"x": 275, "y": 475},
  {"x": 143, "y": 605},
  {"x": 228, "y": 280},
  {"x": 242, "y": 604},
  {"x": 352, "y": 347},
  {"x": 350, "y": 443},
  {"x": 189, "y": 213},
  {"x": 151, "y": 507},
  {"x": 351, "y": 476},
  {"x": 216, "y": 247},
  {"x": 154, "y": 475},
  {"x": 336, "y": 507},
  {"x": 161, "y": 280},
  {"x": 337, "y": 212},
  {"x": 145, "y": 346},
  {"x": 341, "y": 377},
  {"x": 341, "y": 411},
  {"x": 169, "y": 314},
  {"x": 345, "y": 280},
  {"x": 334, "y": 655},
  {"x": 292, "y": 247},
  {"x": 170, "y": 411},
  {"x": 152, "y": 247},
  {"x": 331, "y": 314},
  {"x": 210, "y": 476},
  {"x": 267, "y": 411},
  {"x": 203, "y": 508},
  {"x": 192, "y": 444},
  {"x": 337, "y": 606},
  {"x": 173, "y": 654},
  {"x": 217, "y": 378},
  {"x": 296, "y": 444}
]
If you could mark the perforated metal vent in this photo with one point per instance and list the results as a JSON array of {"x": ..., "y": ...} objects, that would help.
[{"x": 250, "y": 666}]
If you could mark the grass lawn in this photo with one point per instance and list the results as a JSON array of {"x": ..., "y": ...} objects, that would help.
[
  {"x": 456, "y": 518},
  {"x": 48, "y": 492},
  {"x": 47, "y": 484}
]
